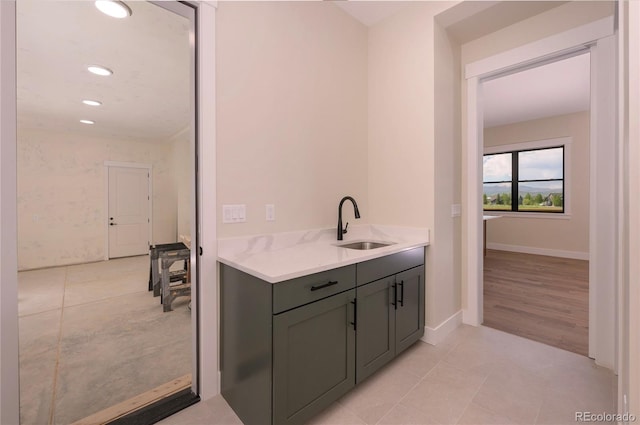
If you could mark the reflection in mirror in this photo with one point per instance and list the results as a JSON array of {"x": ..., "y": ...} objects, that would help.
[{"x": 98, "y": 323}]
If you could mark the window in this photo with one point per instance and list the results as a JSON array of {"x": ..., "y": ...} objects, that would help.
[{"x": 527, "y": 180}]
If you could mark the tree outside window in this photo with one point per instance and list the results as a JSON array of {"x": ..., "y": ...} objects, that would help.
[{"x": 524, "y": 181}]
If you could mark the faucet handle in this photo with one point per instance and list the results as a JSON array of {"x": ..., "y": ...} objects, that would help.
[{"x": 345, "y": 228}]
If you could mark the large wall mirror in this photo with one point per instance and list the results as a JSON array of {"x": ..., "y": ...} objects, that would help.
[{"x": 106, "y": 207}]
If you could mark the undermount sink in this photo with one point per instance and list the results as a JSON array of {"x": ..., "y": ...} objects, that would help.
[{"x": 365, "y": 245}]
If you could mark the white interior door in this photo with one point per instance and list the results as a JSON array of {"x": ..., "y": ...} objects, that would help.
[{"x": 129, "y": 216}]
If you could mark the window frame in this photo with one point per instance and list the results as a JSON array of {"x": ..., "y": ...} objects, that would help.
[{"x": 565, "y": 143}]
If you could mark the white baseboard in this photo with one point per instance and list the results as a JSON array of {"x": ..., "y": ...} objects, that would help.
[
  {"x": 434, "y": 336},
  {"x": 576, "y": 255}
]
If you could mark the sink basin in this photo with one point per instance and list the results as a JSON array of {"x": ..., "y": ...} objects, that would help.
[{"x": 365, "y": 245}]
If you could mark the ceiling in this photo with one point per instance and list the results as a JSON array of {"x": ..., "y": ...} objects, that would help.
[
  {"x": 557, "y": 88},
  {"x": 147, "y": 97},
  {"x": 370, "y": 12}
]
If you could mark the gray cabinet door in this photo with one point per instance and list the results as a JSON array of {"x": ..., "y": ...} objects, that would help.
[
  {"x": 375, "y": 337},
  {"x": 313, "y": 357},
  {"x": 410, "y": 307}
]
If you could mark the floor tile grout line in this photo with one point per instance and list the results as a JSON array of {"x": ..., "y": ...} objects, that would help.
[
  {"x": 39, "y": 312},
  {"x": 464, "y": 411},
  {"x": 410, "y": 389},
  {"x": 535, "y": 421},
  {"x": 126, "y": 294},
  {"x": 486, "y": 378},
  {"x": 383, "y": 416},
  {"x": 424, "y": 377},
  {"x": 398, "y": 402},
  {"x": 58, "y": 349}
]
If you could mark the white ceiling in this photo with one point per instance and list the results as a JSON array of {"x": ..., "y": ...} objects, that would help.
[
  {"x": 558, "y": 88},
  {"x": 370, "y": 12},
  {"x": 147, "y": 97}
]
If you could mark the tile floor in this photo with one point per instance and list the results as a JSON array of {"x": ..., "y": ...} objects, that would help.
[
  {"x": 476, "y": 376},
  {"x": 92, "y": 336}
]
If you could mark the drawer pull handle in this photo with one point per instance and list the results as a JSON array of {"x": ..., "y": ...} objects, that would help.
[
  {"x": 324, "y": 285},
  {"x": 401, "y": 293}
]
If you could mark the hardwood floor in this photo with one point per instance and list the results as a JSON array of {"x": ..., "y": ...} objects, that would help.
[{"x": 542, "y": 298}]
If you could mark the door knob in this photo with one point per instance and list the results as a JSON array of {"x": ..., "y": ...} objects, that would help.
[
  {"x": 113, "y": 224},
  {"x": 110, "y": 218}
]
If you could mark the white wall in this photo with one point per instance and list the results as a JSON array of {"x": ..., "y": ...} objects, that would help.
[
  {"x": 291, "y": 107},
  {"x": 61, "y": 195},
  {"x": 313, "y": 106},
  {"x": 182, "y": 167},
  {"x": 446, "y": 249},
  {"x": 552, "y": 234},
  {"x": 401, "y": 75},
  {"x": 411, "y": 160}
]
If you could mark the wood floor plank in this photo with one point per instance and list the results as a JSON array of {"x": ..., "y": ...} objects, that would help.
[{"x": 538, "y": 297}]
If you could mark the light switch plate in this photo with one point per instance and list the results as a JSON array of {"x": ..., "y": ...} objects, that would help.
[
  {"x": 270, "y": 212},
  {"x": 456, "y": 210},
  {"x": 234, "y": 213}
]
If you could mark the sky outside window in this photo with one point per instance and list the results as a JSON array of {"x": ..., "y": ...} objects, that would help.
[
  {"x": 541, "y": 164},
  {"x": 496, "y": 168}
]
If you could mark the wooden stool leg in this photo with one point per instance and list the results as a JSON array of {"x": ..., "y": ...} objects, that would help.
[{"x": 167, "y": 298}]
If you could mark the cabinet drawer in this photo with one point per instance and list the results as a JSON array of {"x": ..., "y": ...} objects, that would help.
[
  {"x": 295, "y": 292},
  {"x": 371, "y": 270}
]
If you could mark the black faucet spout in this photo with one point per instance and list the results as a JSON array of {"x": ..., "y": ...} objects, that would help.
[{"x": 356, "y": 212}]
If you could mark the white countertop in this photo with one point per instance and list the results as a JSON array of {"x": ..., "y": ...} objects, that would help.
[
  {"x": 282, "y": 256},
  {"x": 490, "y": 217}
]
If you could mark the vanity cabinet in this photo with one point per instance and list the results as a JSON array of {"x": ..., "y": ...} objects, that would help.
[
  {"x": 290, "y": 349},
  {"x": 287, "y": 349},
  {"x": 313, "y": 357},
  {"x": 390, "y": 311}
]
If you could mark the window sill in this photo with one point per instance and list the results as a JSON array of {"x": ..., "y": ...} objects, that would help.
[{"x": 510, "y": 214}]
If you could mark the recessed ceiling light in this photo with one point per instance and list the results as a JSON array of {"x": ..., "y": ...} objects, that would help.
[
  {"x": 115, "y": 9},
  {"x": 92, "y": 102},
  {"x": 99, "y": 70},
  {"x": 87, "y": 122}
]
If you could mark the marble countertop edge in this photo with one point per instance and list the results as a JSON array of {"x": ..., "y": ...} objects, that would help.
[{"x": 283, "y": 256}]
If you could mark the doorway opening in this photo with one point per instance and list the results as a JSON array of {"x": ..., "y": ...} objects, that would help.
[
  {"x": 536, "y": 202},
  {"x": 106, "y": 169},
  {"x": 599, "y": 38}
]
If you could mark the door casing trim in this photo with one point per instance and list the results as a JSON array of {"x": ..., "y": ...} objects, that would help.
[{"x": 596, "y": 37}]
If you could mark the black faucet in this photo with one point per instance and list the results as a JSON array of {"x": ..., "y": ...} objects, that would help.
[{"x": 342, "y": 231}]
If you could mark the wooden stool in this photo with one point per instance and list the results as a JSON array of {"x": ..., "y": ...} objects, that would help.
[{"x": 171, "y": 292}]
